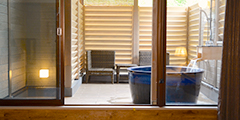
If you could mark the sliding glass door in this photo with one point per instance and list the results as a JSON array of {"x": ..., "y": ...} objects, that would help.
[{"x": 30, "y": 51}]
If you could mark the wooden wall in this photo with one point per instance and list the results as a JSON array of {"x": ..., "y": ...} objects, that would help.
[
  {"x": 17, "y": 45},
  {"x": 32, "y": 43},
  {"x": 74, "y": 44},
  {"x": 221, "y": 18},
  {"x": 12, "y": 23},
  {"x": 193, "y": 29},
  {"x": 110, "y": 28},
  {"x": 40, "y": 41},
  {"x": 77, "y": 43},
  {"x": 176, "y": 31},
  {"x": 107, "y": 114},
  {"x": 176, "y": 34},
  {"x": 3, "y": 49},
  {"x": 221, "y": 11}
]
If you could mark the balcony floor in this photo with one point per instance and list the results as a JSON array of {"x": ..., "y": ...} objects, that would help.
[{"x": 112, "y": 94}]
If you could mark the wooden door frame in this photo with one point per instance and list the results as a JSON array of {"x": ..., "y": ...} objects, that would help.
[{"x": 158, "y": 77}]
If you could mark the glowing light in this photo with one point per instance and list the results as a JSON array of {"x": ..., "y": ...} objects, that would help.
[
  {"x": 180, "y": 51},
  {"x": 10, "y": 74},
  {"x": 44, "y": 73}
]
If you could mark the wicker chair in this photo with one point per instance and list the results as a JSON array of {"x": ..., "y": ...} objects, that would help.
[
  {"x": 145, "y": 58},
  {"x": 100, "y": 62}
]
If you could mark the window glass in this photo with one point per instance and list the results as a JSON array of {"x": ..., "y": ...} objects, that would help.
[
  {"x": 28, "y": 50},
  {"x": 193, "y": 75},
  {"x": 109, "y": 2},
  {"x": 111, "y": 47},
  {"x": 145, "y": 3}
]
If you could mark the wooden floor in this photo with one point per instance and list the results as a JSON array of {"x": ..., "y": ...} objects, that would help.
[
  {"x": 76, "y": 113},
  {"x": 112, "y": 94}
]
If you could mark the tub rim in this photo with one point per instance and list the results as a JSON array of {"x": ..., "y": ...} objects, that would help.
[{"x": 168, "y": 73}]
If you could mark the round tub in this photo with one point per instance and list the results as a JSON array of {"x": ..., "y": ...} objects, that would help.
[{"x": 181, "y": 86}]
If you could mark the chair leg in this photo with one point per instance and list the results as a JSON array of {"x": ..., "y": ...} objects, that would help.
[
  {"x": 112, "y": 77},
  {"x": 87, "y": 77},
  {"x": 118, "y": 76}
]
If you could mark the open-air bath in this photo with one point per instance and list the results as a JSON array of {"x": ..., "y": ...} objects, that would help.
[{"x": 182, "y": 86}]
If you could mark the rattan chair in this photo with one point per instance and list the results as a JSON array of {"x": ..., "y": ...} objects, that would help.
[
  {"x": 100, "y": 62},
  {"x": 145, "y": 58}
]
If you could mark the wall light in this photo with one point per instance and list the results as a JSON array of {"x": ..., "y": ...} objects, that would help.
[
  {"x": 44, "y": 73},
  {"x": 10, "y": 74},
  {"x": 180, "y": 51}
]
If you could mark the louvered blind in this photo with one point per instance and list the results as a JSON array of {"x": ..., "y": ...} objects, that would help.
[
  {"x": 145, "y": 28},
  {"x": 77, "y": 38},
  {"x": 193, "y": 35},
  {"x": 221, "y": 18},
  {"x": 80, "y": 38},
  {"x": 176, "y": 31},
  {"x": 110, "y": 28},
  {"x": 194, "y": 30}
]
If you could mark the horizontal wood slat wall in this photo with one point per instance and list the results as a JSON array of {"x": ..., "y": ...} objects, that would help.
[
  {"x": 193, "y": 30},
  {"x": 80, "y": 38},
  {"x": 4, "y": 50},
  {"x": 176, "y": 31},
  {"x": 222, "y": 4},
  {"x": 77, "y": 39},
  {"x": 110, "y": 28}
]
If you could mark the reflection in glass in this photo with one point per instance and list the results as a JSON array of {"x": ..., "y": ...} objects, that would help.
[
  {"x": 28, "y": 44},
  {"x": 202, "y": 39},
  {"x": 183, "y": 85}
]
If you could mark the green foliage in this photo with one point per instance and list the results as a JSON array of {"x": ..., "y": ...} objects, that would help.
[
  {"x": 145, "y": 2},
  {"x": 109, "y": 2},
  {"x": 176, "y": 2},
  {"x": 181, "y": 2}
]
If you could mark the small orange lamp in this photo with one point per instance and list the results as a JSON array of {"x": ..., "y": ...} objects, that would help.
[{"x": 180, "y": 51}]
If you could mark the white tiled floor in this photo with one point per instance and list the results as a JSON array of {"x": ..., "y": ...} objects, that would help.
[
  {"x": 101, "y": 94},
  {"x": 110, "y": 94}
]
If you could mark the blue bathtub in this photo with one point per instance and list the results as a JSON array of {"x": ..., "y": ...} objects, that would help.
[{"x": 181, "y": 86}]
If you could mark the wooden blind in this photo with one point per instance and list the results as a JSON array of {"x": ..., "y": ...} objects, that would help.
[
  {"x": 145, "y": 28},
  {"x": 194, "y": 33},
  {"x": 221, "y": 19},
  {"x": 193, "y": 30},
  {"x": 110, "y": 28},
  {"x": 77, "y": 48},
  {"x": 176, "y": 31},
  {"x": 80, "y": 38}
]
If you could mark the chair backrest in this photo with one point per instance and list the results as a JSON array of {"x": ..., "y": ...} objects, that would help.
[
  {"x": 100, "y": 59},
  {"x": 145, "y": 58}
]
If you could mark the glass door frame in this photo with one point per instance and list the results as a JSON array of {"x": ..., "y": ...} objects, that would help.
[
  {"x": 158, "y": 52},
  {"x": 59, "y": 101}
]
